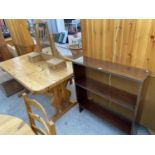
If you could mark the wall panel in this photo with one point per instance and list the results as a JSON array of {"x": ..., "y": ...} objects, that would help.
[{"x": 127, "y": 41}]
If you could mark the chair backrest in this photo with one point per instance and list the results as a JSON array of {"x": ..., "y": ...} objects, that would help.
[
  {"x": 18, "y": 29},
  {"x": 49, "y": 127}
]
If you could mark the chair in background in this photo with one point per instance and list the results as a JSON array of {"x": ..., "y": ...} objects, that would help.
[
  {"x": 18, "y": 29},
  {"x": 8, "y": 85},
  {"x": 49, "y": 127}
]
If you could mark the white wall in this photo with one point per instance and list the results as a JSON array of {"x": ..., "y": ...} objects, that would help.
[
  {"x": 52, "y": 25},
  {"x": 60, "y": 25}
]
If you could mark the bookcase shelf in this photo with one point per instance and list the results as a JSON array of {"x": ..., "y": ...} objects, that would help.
[
  {"x": 128, "y": 101},
  {"x": 118, "y": 96},
  {"x": 106, "y": 114}
]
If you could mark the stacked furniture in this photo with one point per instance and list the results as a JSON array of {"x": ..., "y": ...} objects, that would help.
[
  {"x": 5, "y": 54},
  {"x": 8, "y": 85},
  {"x": 99, "y": 97}
]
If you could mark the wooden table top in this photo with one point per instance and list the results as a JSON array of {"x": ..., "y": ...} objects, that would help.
[
  {"x": 36, "y": 77},
  {"x": 10, "y": 125}
]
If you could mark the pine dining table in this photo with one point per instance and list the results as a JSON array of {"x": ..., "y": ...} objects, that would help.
[{"x": 38, "y": 78}]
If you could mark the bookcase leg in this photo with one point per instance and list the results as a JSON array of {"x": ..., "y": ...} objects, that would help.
[
  {"x": 80, "y": 109},
  {"x": 133, "y": 129}
]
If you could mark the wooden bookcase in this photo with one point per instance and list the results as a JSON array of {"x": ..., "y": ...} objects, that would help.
[{"x": 86, "y": 82}]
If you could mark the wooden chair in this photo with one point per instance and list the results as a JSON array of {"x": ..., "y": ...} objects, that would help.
[
  {"x": 18, "y": 29},
  {"x": 48, "y": 125}
]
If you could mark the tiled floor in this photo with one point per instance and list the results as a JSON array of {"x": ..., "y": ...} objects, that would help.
[{"x": 72, "y": 123}]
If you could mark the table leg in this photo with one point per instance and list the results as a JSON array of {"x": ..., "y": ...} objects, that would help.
[{"x": 61, "y": 100}]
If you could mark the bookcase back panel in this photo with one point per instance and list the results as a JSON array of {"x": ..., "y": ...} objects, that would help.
[
  {"x": 117, "y": 82},
  {"x": 110, "y": 105}
]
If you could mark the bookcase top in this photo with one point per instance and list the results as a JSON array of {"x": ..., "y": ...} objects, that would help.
[{"x": 133, "y": 73}]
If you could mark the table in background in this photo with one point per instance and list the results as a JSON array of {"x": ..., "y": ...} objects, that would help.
[{"x": 10, "y": 125}]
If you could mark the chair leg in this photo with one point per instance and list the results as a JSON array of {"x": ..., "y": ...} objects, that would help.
[{"x": 23, "y": 91}]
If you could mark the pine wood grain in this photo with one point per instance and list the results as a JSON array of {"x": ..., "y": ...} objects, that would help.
[
  {"x": 20, "y": 35},
  {"x": 10, "y": 125},
  {"x": 36, "y": 77},
  {"x": 48, "y": 126},
  {"x": 127, "y": 41},
  {"x": 40, "y": 79}
]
